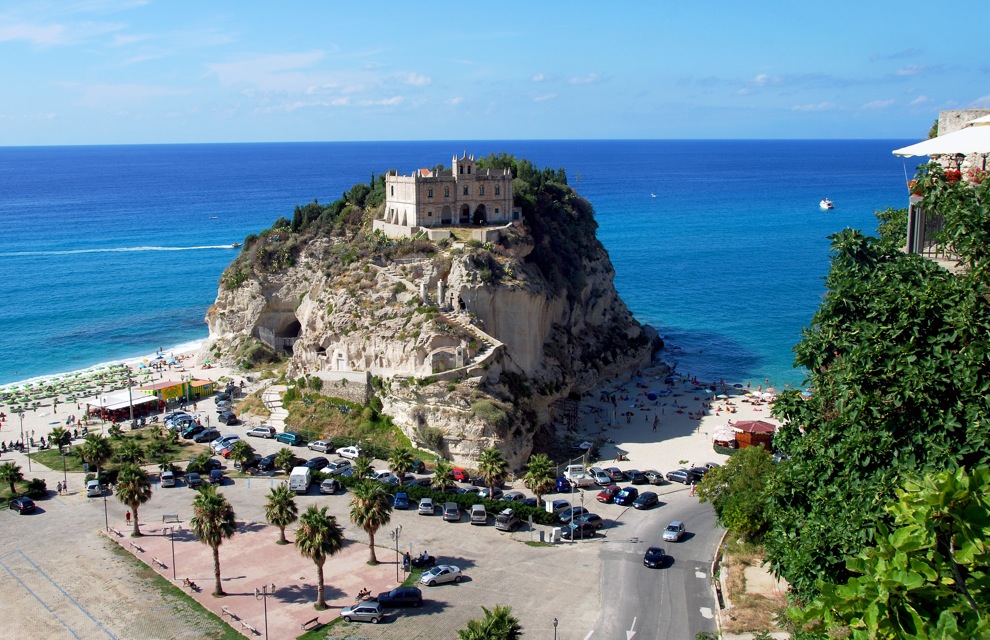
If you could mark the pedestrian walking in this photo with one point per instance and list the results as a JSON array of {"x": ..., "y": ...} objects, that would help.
[
  {"x": 58, "y": 487},
  {"x": 127, "y": 515}
]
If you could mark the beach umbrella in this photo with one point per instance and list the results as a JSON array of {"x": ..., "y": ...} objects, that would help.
[
  {"x": 974, "y": 138},
  {"x": 651, "y": 396},
  {"x": 722, "y": 396}
]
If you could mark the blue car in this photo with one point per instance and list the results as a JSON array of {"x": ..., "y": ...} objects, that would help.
[
  {"x": 627, "y": 496},
  {"x": 563, "y": 485},
  {"x": 401, "y": 500}
]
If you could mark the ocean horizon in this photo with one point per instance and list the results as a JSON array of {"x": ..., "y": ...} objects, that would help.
[{"x": 113, "y": 252}]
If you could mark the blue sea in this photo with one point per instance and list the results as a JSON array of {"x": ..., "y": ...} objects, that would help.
[{"x": 110, "y": 252}]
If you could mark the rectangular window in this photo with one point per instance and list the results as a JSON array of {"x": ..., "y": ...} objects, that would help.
[
  {"x": 498, "y": 190},
  {"x": 481, "y": 191},
  {"x": 460, "y": 170},
  {"x": 469, "y": 169},
  {"x": 429, "y": 193},
  {"x": 496, "y": 210},
  {"x": 465, "y": 190},
  {"x": 446, "y": 192},
  {"x": 429, "y": 214},
  {"x": 393, "y": 190}
]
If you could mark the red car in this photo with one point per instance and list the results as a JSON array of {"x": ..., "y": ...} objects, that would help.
[
  {"x": 461, "y": 475},
  {"x": 608, "y": 493}
]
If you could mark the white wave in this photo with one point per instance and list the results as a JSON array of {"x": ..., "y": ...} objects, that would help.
[{"x": 69, "y": 252}]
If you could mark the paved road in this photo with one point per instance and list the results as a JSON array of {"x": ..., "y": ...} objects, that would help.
[{"x": 673, "y": 603}]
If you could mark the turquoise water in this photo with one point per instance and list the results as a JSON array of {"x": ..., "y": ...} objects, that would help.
[{"x": 112, "y": 252}]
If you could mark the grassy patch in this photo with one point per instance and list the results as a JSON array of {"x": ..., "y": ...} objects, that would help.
[
  {"x": 413, "y": 577},
  {"x": 750, "y": 612},
  {"x": 537, "y": 543},
  {"x": 212, "y": 628},
  {"x": 253, "y": 405},
  {"x": 181, "y": 450}
]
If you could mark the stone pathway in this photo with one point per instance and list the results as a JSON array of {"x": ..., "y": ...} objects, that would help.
[{"x": 272, "y": 397}]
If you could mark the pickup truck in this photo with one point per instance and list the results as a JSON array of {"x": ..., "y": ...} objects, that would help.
[{"x": 577, "y": 476}]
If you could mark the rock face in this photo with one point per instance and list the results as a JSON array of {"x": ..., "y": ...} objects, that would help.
[{"x": 476, "y": 340}]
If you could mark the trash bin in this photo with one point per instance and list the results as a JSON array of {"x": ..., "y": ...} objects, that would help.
[
  {"x": 542, "y": 535},
  {"x": 555, "y": 534}
]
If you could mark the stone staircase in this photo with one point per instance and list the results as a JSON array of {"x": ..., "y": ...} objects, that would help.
[{"x": 272, "y": 397}]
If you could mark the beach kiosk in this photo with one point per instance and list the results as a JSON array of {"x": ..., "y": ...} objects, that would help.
[{"x": 754, "y": 433}]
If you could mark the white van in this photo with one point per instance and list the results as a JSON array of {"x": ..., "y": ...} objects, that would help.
[
  {"x": 300, "y": 479},
  {"x": 478, "y": 514}
]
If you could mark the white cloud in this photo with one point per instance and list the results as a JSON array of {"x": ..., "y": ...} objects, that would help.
[
  {"x": 263, "y": 71},
  {"x": 878, "y": 104},
  {"x": 116, "y": 95},
  {"x": 417, "y": 80},
  {"x": 539, "y": 77},
  {"x": 920, "y": 100},
  {"x": 821, "y": 106},
  {"x": 456, "y": 101},
  {"x": 591, "y": 78},
  {"x": 545, "y": 97},
  {"x": 42, "y": 35},
  {"x": 910, "y": 70},
  {"x": 387, "y": 102},
  {"x": 982, "y": 102}
]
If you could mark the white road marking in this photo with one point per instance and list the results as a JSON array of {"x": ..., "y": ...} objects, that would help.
[
  {"x": 631, "y": 633},
  {"x": 589, "y": 634},
  {"x": 706, "y": 613},
  {"x": 701, "y": 575}
]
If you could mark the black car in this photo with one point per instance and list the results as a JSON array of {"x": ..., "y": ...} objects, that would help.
[
  {"x": 530, "y": 502},
  {"x": 679, "y": 475},
  {"x": 267, "y": 463},
  {"x": 401, "y": 597},
  {"x": 193, "y": 480},
  {"x": 223, "y": 395},
  {"x": 578, "y": 531},
  {"x": 193, "y": 431},
  {"x": 228, "y": 418},
  {"x": 655, "y": 558},
  {"x": 216, "y": 476},
  {"x": 626, "y": 496},
  {"x": 207, "y": 435},
  {"x": 249, "y": 464},
  {"x": 646, "y": 500},
  {"x": 317, "y": 463},
  {"x": 636, "y": 476},
  {"x": 697, "y": 474},
  {"x": 22, "y": 505}
]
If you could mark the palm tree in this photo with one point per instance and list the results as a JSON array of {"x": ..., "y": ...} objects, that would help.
[
  {"x": 166, "y": 463},
  {"x": 241, "y": 452},
  {"x": 213, "y": 522},
  {"x": 129, "y": 451},
  {"x": 96, "y": 449},
  {"x": 11, "y": 473},
  {"x": 362, "y": 468},
  {"x": 285, "y": 459},
  {"x": 370, "y": 510},
  {"x": 281, "y": 509},
  {"x": 540, "y": 475},
  {"x": 499, "y": 624},
  {"x": 400, "y": 462},
  {"x": 318, "y": 538},
  {"x": 133, "y": 489},
  {"x": 443, "y": 476},
  {"x": 59, "y": 437},
  {"x": 492, "y": 466},
  {"x": 198, "y": 464}
]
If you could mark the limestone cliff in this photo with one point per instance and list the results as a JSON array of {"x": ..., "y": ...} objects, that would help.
[{"x": 476, "y": 339}]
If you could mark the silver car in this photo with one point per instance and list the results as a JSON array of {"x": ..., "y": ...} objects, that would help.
[
  {"x": 367, "y": 611},
  {"x": 321, "y": 445},
  {"x": 440, "y": 574},
  {"x": 674, "y": 531}
]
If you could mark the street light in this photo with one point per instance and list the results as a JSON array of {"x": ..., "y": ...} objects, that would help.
[
  {"x": 106, "y": 518},
  {"x": 555, "y": 629},
  {"x": 395, "y": 538},
  {"x": 262, "y": 594},
  {"x": 171, "y": 536},
  {"x": 27, "y": 445}
]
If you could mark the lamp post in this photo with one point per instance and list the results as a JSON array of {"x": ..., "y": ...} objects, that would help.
[
  {"x": 27, "y": 446},
  {"x": 171, "y": 537},
  {"x": 262, "y": 594},
  {"x": 106, "y": 518},
  {"x": 20, "y": 414},
  {"x": 395, "y": 538},
  {"x": 65, "y": 475},
  {"x": 555, "y": 629}
]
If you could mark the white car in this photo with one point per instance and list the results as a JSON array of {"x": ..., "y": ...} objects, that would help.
[
  {"x": 349, "y": 452},
  {"x": 382, "y": 475},
  {"x": 262, "y": 432},
  {"x": 440, "y": 574},
  {"x": 222, "y": 442},
  {"x": 324, "y": 446},
  {"x": 674, "y": 531},
  {"x": 93, "y": 489},
  {"x": 167, "y": 479},
  {"x": 426, "y": 507},
  {"x": 337, "y": 467}
]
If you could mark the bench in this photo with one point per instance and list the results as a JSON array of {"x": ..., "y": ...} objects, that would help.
[
  {"x": 159, "y": 563},
  {"x": 245, "y": 625},
  {"x": 309, "y": 625},
  {"x": 186, "y": 582},
  {"x": 135, "y": 546},
  {"x": 119, "y": 534},
  {"x": 225, "y": 611},
  {"x": 170, "y": 517}
]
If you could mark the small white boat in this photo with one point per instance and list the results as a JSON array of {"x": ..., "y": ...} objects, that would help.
[
  {"x": 826, "y": 204},
  {"x": 235, "y": 245},
  {"x": 653, "y": 195}
]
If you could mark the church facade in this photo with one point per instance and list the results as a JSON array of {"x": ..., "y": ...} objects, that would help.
[{"x": 460, "y": 196}]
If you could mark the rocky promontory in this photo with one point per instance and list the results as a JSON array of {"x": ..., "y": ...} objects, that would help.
[{"x": 468, "y": 335}]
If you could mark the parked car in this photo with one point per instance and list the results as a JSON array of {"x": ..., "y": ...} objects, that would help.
[
  {"x": 94, "y": 489},
  {"x": 608, "y": 494},
  {"x": 330, "y": 485},
  {"x": 338, "y": 466},
  {"x": 223, "y": 442},
  {"x": 636, "y": 476},
  {"x": 572, "y": 513},
  {"x": 655, "y": 558},
  {"x": 616, "y": 474},
  {"x": 601, "y": 478},
  {"x": 559, "y": 507},
  {"x": 646, "y": 500},
  {"x": 454, "y": 490},
  {"x": 493, "y": 493},
  {"x": 317, "y": 463},
  {"x": 575, "y": 531},
  {"x": 514, "y": 496},
  {"x": 367, "y": 611},
  {"x": 626, "y": 496},
  {"x": 349, "y": 452},
  {"x": 679, "y": 475},
  {"x": 192, "y": 431},
  {"x": 167, "y": 480},
  {"x": 653, "y": 476},
  {"x": 401, "y": 500},
  {"x": 440, "y": 574},
  {"x": 530, "y": 502},
  {"x": 183, "y": 423},
  {"x": 267, "y": 463},
  {"x": 290, "y": 438},
  {"x": 507, "y": 520},
  {"x": 207, "y": 435},
  {"x": 592, "y": 519},
  {"x": 380, "y": 474},
  {"x": 711, "y": 465},
  {"x": 222, "y": 396},
  {"x": 563, "y": 485},
  {"x": 223, "y": 405},
  {"x": 451, "y": 512},
  {"x": 21, "y": 505},
  {"x": 419, "y": 466},
  {"x": 460, "y": 475},
  {"x": 193, "y": 480},
  {"x": 263, "y": 431},
  {"x": 250, "y": 464},
  {"x": 321, "y": 445},
  {"x": 216, "y": 476},
  {"x": 479, "y": 515},
  {"x": 401, "y": 597},
  {"x": 426, "y": 507},
  {"x": 674, "y": 531},
  {"x": 697, "y": 474},
  {"x": 228, "y": 418}
]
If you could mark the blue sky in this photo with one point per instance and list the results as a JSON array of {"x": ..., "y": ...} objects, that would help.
[{"x": 133, "y": 71}]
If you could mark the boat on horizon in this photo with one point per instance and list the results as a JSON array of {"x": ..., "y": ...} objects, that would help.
[{"x": 826, "y": 204}]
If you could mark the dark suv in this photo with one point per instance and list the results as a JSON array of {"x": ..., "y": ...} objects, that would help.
[
  {"x": 207, "y": 435},
  {"x": 317, "y": 463},
  {"x": 401, "y": 597}
]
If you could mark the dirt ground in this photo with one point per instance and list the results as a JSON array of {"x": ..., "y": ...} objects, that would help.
[{"x": 756, "y": 598}]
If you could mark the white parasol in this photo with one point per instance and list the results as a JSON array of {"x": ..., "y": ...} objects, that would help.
[{"x": 972, "y": 139}]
